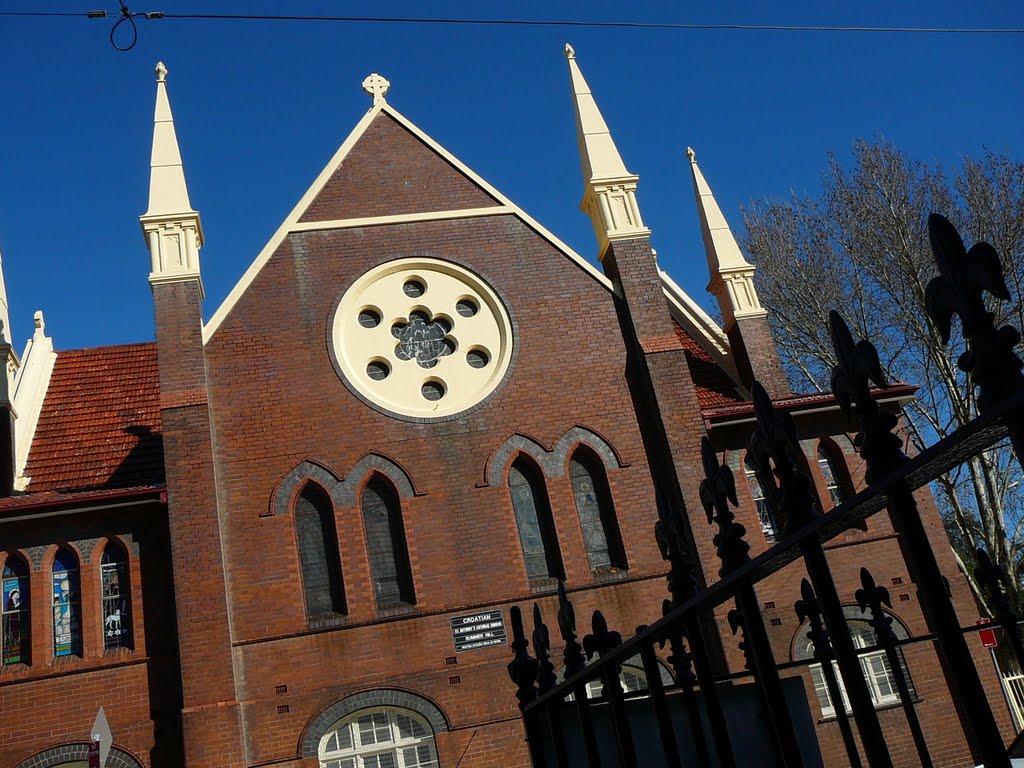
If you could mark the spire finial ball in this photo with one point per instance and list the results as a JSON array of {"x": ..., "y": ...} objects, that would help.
[
  {"x": 570, "y": 52},
  {"x": 376, "y": 85},
  {"x": 691, "y": 154},
  {"x": 161, "y": 72}
]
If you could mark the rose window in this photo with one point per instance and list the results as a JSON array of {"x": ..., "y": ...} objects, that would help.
[{"x": 421, "y": 338}]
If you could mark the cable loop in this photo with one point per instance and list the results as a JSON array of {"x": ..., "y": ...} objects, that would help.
[{"x": 128, "y": 16}]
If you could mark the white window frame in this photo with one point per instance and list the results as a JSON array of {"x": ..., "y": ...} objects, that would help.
[
  {"x": 357, "y": 755},
  {"x": 877, "y": 673}
]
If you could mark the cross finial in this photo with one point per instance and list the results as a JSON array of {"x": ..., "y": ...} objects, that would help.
[
  {"x": 376, "y": 85},
  {"x": 691, "y": 154},
  {"x": 570, "y": 52},
  {"x": 161, "y": 72}
]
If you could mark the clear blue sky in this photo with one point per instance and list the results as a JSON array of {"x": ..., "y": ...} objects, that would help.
[{"x": 260, "y": 107}]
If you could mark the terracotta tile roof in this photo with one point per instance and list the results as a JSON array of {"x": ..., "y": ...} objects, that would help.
[
  {"x": 100, "y": 422},
  {"x": 896, "y": 391},
  {"x": 714, "y": 386}
]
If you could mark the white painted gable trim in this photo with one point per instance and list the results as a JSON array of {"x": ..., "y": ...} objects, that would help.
[
  {"x": 689, "y": 314},
  {"x": 30, "y": 387}
]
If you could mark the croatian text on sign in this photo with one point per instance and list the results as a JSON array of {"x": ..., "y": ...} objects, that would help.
[{"x": 478, "y": 630}]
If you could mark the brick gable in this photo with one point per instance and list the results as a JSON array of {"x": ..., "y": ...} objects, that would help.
[{"x": 390, "y": 171}]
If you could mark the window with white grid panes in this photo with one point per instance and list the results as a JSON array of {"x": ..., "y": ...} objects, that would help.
[
  {"x": 877, "y": 672},
  {"x": 379, "y": 738}
]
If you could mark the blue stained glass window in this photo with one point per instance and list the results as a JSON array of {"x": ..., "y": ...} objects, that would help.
[
  {"x": 67, "y": 605},
  {"x": 14, "y": 632},
  {"x": 536, "y": 525},
  {"x": 116, "y": 597},
  {"x": 597, "y": 514}
]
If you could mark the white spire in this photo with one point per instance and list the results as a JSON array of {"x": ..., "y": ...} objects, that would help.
[
  {"x": 5, "y": 315},
  {"x": 732, "y": 276},
  {"x": 172, "y": 228},
  {"x": 609, "y": 189}
]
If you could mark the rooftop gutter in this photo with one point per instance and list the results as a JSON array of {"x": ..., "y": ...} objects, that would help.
[{"x": 32, "y": 509}]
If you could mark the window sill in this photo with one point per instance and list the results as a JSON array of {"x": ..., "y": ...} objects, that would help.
[
  {"x": 878, "y": 708},
  {"x": 543, "y": 586},
  {"x": 614, "y": 573},
  {"x": 400, "y": 609},
  {"x": 327, "y": 620}
]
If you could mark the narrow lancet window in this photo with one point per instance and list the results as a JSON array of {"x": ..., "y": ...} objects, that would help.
[
  {"x": 765, "y": 513},
  {"x": 535, "y": 522},
  {"x": 835, "y": 477},
  {"x": 597, "y": 513},
  {"x": 319, "y": 559},
  {"x": 14, "y": 632},
  {"x": 67, "y": 605},
  {"x": 117, "y": 597},
  {"x": 385, "y": 539}
]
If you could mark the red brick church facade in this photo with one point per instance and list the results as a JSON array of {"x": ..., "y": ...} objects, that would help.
[{"x": 248, "y": 540}]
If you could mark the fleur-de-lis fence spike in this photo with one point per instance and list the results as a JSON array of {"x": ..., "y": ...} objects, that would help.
[
  {"x": 572, "y": 656},
  {"x": 717, "y": 492},
  {"x": 523, "y": 667},
  {"x": 546, "y": 679},
  {"x": 873, "y": 597},
  {"x": 601, "y": 640},
  {"x": 807, "y": 609},
  {"x": 776, "y": 455},
  {"x": 994, "y": 583},
  {"x": 964, "y": 279},
  {"x": 856, "y": 367},
  {"x": 670, "y": 537}
]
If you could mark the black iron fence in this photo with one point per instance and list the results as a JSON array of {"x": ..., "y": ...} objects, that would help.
[{"x": 696, "y": 721}]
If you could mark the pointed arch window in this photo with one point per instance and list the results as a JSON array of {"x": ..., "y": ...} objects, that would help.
[
  {"x": 385, "y": 539},
  {"x": 535, "y": 521},
  {"x": 832, "y": 469},
  {"x": 765, "y": 513},
  {"x": 319, "y": 558},
  {"x": 597, "y": 513},
  {"x": 116, "y": 597},
  {"x": 67, "y": 604},
  {"x": 14, "y": 620}
]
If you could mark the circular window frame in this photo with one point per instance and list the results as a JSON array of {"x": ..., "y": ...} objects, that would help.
[{"x": 357, "y": 294}]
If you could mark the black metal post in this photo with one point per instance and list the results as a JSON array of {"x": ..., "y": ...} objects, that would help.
[
  {"x": 766, "y": 673},
  {"x": 872, "y": 596},
  {"x": 669, "y": 533},
  {"x": 857, "y": 366},
  {"x": 808, "y": 608},
  {"x": 656, "y": 690},
  {"x": 774, "y": 448},
  {"x": 620, "y": 720},
  {"x": 586, "y": 726},
  {"x": 682, "y": 665}
]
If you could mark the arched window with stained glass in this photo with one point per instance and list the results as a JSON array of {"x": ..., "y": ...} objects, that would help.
[
  {"x": 15, "y": 621},
  {"x": 593, "y": 497},
  {"x": 67, "y": 604},
  {"x": 319, "y": 557},
  {"x": 834, "y": 471},
  {"x": 116, "y": 597},
  {"x": 385, "y": 540},
  {"x": 535, "y": 521}
]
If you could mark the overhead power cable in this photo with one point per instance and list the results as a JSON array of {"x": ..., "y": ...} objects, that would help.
[{"x": 128, "y": 17}]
